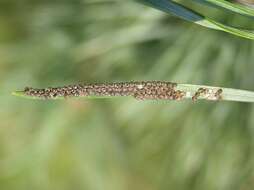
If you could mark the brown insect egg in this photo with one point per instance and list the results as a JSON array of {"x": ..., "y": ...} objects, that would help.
[
  {"x": 218, "y": 94},
  {"x": 196, "y": 95},
  {"x": 200, "y": 92}
]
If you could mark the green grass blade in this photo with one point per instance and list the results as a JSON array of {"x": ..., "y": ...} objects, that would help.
[
  {"x": 233, "y": 7},
  {"x": 22, "y": 94},
  {"x": 228, "y": 94},
  {"x": 150, "y": 90},
  {"x": 192, "y": 16},
  {"x": 174, "y": 8}
]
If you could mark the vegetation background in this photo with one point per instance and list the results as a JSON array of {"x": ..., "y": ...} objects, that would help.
[{"x": 121, "y": 144}]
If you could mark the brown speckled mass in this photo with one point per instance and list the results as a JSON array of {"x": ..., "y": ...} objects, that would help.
[
  {"x": 140, "y": 90},
  {"x": 208, "y": 94}
]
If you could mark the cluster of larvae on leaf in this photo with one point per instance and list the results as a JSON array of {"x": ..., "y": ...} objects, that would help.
[{"x": 153, "y": 90}]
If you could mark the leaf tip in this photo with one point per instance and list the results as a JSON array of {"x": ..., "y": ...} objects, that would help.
[{"x": 18, "y": 93}]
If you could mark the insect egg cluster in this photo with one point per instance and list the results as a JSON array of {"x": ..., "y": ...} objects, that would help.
[
  {"x": 159, "y": 90},
  {"x": 139, "y": 90}
]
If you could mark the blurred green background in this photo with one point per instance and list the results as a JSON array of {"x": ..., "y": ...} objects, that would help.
[{"x": 121, "y": 144}]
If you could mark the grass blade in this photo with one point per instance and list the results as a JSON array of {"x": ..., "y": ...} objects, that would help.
[
  {"x": 150, "y": 90},
  {"x": 226, "y": 5},
  {"x": 228, "y": 94},
  {"x": 192, "y": 16}
]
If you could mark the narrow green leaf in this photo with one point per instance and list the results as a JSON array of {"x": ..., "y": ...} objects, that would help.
[
  {"x": 150, "y": 90},
  {"x": 192, "y": 16},
  {"x": 228, "y": 94},
  {"x": 233, "y": 7}
]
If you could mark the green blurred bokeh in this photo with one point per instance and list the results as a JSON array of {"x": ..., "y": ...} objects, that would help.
[{"x": 121, "y": 144}]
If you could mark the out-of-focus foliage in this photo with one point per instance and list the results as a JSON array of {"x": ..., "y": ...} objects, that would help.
[
  {"x": 191, "y": 15},
  {"x": 116, "y": 144}
]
